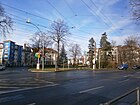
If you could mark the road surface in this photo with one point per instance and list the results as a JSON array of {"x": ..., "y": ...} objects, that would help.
[{"x": 80, "y": 87}]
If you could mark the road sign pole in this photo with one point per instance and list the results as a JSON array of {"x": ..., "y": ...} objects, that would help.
[{"x": 38, "y": 65}]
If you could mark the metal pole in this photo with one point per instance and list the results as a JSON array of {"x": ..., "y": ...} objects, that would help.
[
  {"x": 28, "y": 21},
  {"x": 68, "y": 63},
  {"x": 63, "y": 64},
  {"x": 38, "y": 65},
  {"x": 138, "y": 96},
  {"x": 55, "y": 63},
  {"x": 99, "y": 58},
  {"x": 43, "y": 57}
]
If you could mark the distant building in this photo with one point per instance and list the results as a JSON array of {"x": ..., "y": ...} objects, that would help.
[
  {"x": 50, "y": 56},
  {"x": 18, "y": 55},
  {"x": 28, "y": 58},
  {"x": 9, "y": 52}
]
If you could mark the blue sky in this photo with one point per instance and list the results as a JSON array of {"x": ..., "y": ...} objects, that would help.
[{"x": 90, "y": 18}]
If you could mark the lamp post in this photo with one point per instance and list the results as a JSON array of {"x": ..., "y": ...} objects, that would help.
[{"x": 29, "y": 22}]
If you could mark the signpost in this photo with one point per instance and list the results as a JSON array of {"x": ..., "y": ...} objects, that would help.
[{"x": 37, "y": 55}]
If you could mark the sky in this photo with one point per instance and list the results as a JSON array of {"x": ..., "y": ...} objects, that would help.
[{"x": 90, "y": 18}]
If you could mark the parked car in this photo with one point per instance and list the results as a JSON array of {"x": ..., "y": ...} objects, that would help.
[
  {"x": 123, "y": 67},
  {"x": 136, "y": 67},
  {"x": 2, "y": 67}
]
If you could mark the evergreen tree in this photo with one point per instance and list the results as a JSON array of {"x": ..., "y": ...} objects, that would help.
[
  {"x": 63, "y": 55},
  {"x": 104, "y": 44},
  {"x": 105, "y": 52},
  {"x": 91, "y": 51}
]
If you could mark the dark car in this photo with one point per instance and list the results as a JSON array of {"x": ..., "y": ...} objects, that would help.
[
  {"x": 136, "y": 67},
  {"x": 123, "y": 67}
]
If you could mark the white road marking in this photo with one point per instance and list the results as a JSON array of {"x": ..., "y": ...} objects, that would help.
[
  {"x": 91, "y": 89},
  {"x": 44, "y": 81},
  {"x": 137, "y": 77},
  {"x": 11, "y": 98},
  {"x": 2, "y": 87},
  {"x": 137, "y": 72},
  {"x": 123, "y": 81},
  {"x": 17, "y": 90},
  {"x": 126, "y": 76},
  {"x": 31, "y": 104}
]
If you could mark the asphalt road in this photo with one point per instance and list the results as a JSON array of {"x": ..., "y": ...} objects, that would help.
[{"x": 81, "y": 87}]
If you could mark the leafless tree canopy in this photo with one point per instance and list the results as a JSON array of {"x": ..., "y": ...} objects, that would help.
[
  {"x": 59, "y": 30},
  {"x": 39, "y": 39},
  {"x": 135, "y": 4},
  {"x": 132, "y": 41},
  {"x": 5, "y": 22},
  {"x": 131, "y": 52},
  {"x": 75, "y": 51}
]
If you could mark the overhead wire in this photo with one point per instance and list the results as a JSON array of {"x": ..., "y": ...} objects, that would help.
[
  {"x": 38, "y": 17},
  {"x": 20, "y": 22},
  {"x": 94, "y": 13},
  {"x": 70, "y": 7},
  {"x": 107, "y": 18},
  {"x": 64, "y": 16},
  {"x": 25, "y": 12}
]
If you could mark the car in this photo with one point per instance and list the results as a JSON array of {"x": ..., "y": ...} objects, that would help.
[
  {"x": 2, "y": 67},
  {"x": 136, "y": 67},
  {"x": 123, "y": 67}
]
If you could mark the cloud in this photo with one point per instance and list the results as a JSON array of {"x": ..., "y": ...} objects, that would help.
[
  {"x": 84, "y": 22},
  {"x": 117, "y": 39},
  {"x": 118, "y": 25},
  {"x": 19, "y": 37},
  {"x": 105, "y": 3}
]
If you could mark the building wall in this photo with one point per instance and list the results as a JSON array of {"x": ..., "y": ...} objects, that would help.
[
  {"x": 23, "y": 58},
  {"x": 18, "y": 55},
  {"x": 1, "y": 53},
  {"x": 9, "y": 50},
  {"x": 20, "y": 48}
]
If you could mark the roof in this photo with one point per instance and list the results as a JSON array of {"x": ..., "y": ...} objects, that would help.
[
  {"x": 8, "y": 41},
  {"x": 49, "y": 50}
]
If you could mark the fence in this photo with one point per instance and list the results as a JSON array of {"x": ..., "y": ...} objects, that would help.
[{"x": 124, "y": 95}]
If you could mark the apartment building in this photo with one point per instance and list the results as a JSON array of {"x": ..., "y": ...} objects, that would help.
[
  {"x": 1, "y": 53},
  {"x": 9, "y": 52},
  {"x": 50, "y": 56},
  {"x": 12, "y": 53},
  {"x": 18, "y": 55}
]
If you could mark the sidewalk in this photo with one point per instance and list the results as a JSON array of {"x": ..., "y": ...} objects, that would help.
[{"x": 70, "y": 69}]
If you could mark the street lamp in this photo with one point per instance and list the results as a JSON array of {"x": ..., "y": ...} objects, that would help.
[{"x": 29, "y": 22}]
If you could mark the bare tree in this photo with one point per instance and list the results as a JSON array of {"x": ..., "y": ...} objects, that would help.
[
  {"x": 40, "y": 39},
  {"x": 59, "y": 30},
  {"x": 113, "y": 43},
  {"x": 135, "y": 4},
  {"x": 132, "y": 46},
  {"x": 75, "y": 51},
  {"x": 5, "y": 22},
  {"x": 132, "y": 41}
]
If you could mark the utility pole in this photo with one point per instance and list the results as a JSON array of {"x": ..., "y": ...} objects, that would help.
[
  {"x": 99, "y": 58},
  {"x": 29, "y": 22}
]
